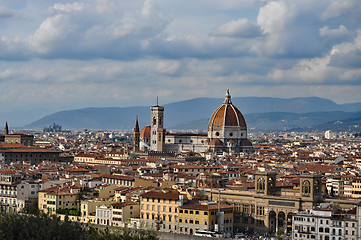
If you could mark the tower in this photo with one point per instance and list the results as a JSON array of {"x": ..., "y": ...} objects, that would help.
[
  {"x": 157, "y": 136},
  {"x": 136, "y": 136},
  {"x": 6, "y": 130},
  {"x": 311, "y": 187},
  {"x": 265, "y": 182}
]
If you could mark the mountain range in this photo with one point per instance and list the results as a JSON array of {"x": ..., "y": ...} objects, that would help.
[{"x": 261, "y": 114}]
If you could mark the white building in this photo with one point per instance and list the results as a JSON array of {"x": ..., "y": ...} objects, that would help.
[
  {"x": 103, "y": 215},
  {"x": 326, "y": 224},
  {"x": 329, "y": 134}
]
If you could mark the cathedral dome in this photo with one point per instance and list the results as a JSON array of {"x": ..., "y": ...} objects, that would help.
[
  {"x": 145, "y": 132},
  {"x": 227, "y": 115}
]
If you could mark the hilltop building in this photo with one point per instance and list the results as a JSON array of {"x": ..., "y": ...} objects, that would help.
[
  {"x": 227, "y": 132},
  {"x": 54, "y": 128}
]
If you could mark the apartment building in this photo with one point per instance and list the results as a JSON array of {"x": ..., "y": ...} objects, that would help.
[
  {"x": 27, "y": 192},
  {"x": 53, "y": 199},
  {"x": 326, "y": 224},
  {"x": 122, "y": 213},
  {"x": 207, "y": 216},
  {"x": 159, "y": 210},
  {"x": 9, "y": 181}
]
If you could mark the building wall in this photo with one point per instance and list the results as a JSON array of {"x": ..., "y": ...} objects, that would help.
[{"x": 162, "y": 214}]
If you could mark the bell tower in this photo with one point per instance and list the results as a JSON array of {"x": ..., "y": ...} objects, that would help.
[
  {"x": 136, "y": 136},
  {"x": 311, "y": 187},
  {"x": 265, "y": 182},
  {"x": 157, "y": 135}
]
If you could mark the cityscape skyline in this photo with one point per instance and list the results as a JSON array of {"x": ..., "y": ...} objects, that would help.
[{"x": 76, "y": 54}]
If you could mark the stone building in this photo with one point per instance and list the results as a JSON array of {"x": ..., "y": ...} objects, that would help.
[{"x": 268, "y": 208}]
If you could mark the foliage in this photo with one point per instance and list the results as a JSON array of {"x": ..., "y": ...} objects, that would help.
[
  {"x": 280, "y": 232},
  {"x": 33, "y": 227},
  {"x": 71, "y": 212},
  {"x": 32, "y": 208}
]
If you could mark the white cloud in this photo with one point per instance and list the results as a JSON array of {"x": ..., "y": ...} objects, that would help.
[
  {"x": 274, "y": 17},
  {"x": 6, "y": 12},
  {"x": 320, "y": 70},
  {"x": 76, "y": 30},
  {"x": 336, "y": 8},
  {"x": 327, "y": 32},
  {"x": 168, "y": 67},
  {"x": 237, "y": 28}
]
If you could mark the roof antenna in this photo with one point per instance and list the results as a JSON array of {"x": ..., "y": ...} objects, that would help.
[{"x": 157, "y": 100}]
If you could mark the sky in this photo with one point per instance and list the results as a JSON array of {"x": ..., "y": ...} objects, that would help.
[{"x": 59, "y": 55}]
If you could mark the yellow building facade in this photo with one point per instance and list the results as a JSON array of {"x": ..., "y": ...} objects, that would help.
[
  {"x": 159, "y": 210},
  {"x": 205, "y": 216}
]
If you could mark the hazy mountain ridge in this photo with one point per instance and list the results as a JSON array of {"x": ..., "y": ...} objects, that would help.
[
  {"x": 260, "y": 114},
  {"x": 276, "y": 121}
]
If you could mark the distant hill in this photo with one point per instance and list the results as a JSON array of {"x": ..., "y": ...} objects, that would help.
[
  {"x": 281, "y": 121},
  {"x": 260, "y": 113},
  {"x": 351, "y": 107}
]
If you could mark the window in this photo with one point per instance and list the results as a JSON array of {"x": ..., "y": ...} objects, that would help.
[
  {"x": 197, "y": 212},
  {"x": 205, "y": 213},
  {"x": 180, "y": 210},
  {"x": 170, "y": 209},
  {"x": 191, "y": 212}
]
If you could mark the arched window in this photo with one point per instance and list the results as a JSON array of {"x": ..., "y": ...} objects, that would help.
[
  {"x": 317, "y": 185},
  {"x": 261, "y": 185},
  {"x": 306, "y": 187}
]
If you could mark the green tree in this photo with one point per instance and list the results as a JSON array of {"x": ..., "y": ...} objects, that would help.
[
  {"x": 32, "y": 208},
  {"x": 32, "y": 227}
]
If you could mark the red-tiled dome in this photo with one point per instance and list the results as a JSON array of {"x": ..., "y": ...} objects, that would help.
[
  {"x": 145, "y": 133},
  {"x": 227, "y": 115}
]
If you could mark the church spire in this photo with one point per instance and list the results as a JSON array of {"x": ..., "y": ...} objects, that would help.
[
  {"x": 136, "y": 137},
  {"x": 136, "y": 128},
  {"x": 6, "y": 130}
]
